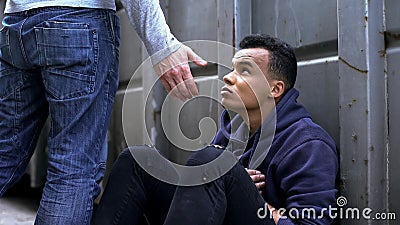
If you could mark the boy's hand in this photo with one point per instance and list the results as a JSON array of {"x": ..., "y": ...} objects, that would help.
[{"x": 258, "y": 178}]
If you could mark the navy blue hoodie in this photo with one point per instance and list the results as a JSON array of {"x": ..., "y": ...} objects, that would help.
[{"x": 301, "y": 162}]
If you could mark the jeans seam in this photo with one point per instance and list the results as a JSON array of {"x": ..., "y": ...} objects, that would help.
[
  {"x": 41, "y": 60},
  {"x": 111, "y": 24},
  {"x": 96, "y": 59},
  {"x": 100, "y": 139},
  {"x": 16, "y": 128}
]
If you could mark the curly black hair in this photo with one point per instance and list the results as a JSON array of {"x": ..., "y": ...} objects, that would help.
[{"x": 282, "y": 60}]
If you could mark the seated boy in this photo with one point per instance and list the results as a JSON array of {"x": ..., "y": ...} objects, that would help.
[{"x": 296, "y": 163}]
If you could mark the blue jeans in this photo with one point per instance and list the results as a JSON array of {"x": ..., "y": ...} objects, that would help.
[
  {"x": 232, "y": 199},
  {"x": 59, "y": 62}
]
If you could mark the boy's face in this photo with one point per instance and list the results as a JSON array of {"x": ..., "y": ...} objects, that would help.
[{"x": 246, "y": 87}]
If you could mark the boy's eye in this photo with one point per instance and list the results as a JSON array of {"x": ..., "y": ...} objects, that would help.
[{"x": 244, "y": 70}]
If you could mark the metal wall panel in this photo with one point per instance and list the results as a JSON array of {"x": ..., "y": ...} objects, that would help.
[
  {"x": 197, "y": 122},
  {"x": 2, "y": 5},
  {"x": 318, "y": 82},
  {"x": 393, "y": 84},
  {"x": 130, "y": 51},
  {"x": 297, "y": 22},
  {"x": 363, "y": 108},
  {"x": 193, "y": 19},
  {"x": 394, "y": 129},
  {"x": 133, "y": 122},
  {"x": 125, "y": 131},
  {"x": 392, "y": 15}
]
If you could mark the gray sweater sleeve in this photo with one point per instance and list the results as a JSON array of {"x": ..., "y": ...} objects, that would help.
[{"x": 149, "y": 22}]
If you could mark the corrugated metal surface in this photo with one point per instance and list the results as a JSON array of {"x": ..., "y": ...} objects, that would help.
[
  {"x": 125, "y": 130},
  {"x": 198, "y": 17},
  {"x": 130, "y": 51},
  {"x": 300, "y": 23},
  {"x": 2, "y": 5},
  {"x": 394, "y": 128},
  {"x": 191, "y": 125},
  {"x": 191, "y": 20},
  {"x": 363, "y": 113},
  {"x": 393, "y": 84},
  {"x": 318, "y": 82}
]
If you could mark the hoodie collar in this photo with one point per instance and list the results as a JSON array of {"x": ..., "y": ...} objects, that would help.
[
  {"x": 288, "y": 110},
  {"x": 236, "y": 132}
]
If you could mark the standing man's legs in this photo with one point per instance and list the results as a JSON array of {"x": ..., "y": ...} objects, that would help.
[
  {"x": 76, "y": 54},
  {"x": 81, "y": 78},
  {"x": 23, "y": 106}
]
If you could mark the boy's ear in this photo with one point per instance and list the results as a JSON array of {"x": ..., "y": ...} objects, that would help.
[{"x": 277, "y": 88}]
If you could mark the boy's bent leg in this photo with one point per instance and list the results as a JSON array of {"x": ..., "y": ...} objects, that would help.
[
  {"x": 203, "y": 204},
  {"x": 230, "y": 199},
  {"x": 244, "y": 203},
  {"x": 131, "y": 192},
  {"x": 124, "y": 197}
]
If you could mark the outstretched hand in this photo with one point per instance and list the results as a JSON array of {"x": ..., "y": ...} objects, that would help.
[{"x": 174, "y": 72}]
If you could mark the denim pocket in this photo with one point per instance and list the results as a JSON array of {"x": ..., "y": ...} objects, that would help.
[{"x": 68, "y": 52}]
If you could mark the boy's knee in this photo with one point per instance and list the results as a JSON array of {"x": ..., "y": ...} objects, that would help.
[
  {"x": 125, "y": 153},
  {"x": 126, "y": 157},
  {"x": 204, "y": 155}
]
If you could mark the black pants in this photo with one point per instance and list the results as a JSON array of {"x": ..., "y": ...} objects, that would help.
[{"x": 131, "y": 192}]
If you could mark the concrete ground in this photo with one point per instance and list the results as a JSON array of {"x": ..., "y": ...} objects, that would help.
[{"x": 19, "y": 204}]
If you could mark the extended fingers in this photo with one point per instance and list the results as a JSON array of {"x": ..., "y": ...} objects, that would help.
[
  {"x": 175, "y": 74},
  {"x": 179, "y": 80}
]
